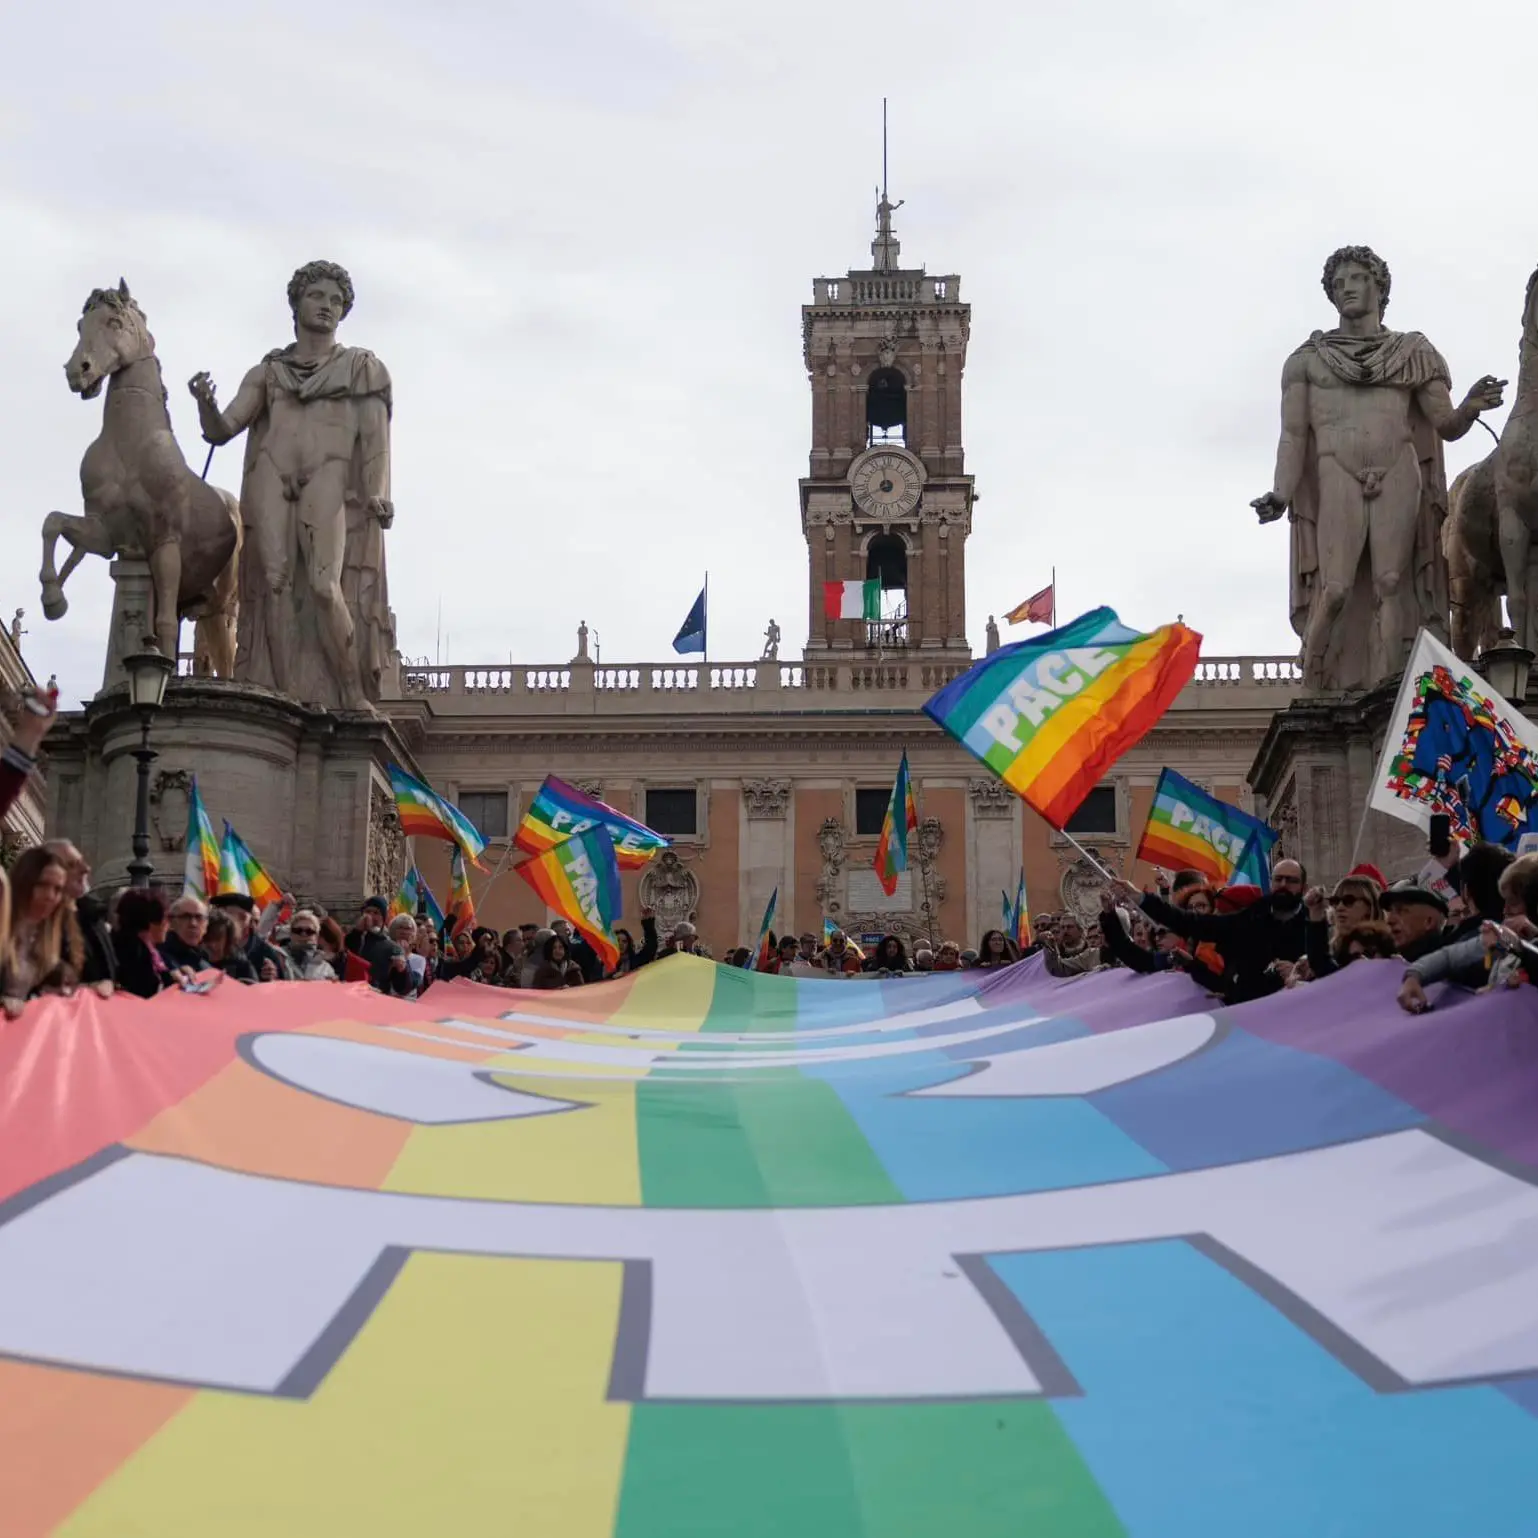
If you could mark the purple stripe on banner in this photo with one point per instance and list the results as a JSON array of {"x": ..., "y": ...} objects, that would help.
[{"x": 1470, "y": 1063}]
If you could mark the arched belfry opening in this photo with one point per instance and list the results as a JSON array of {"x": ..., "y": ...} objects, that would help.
[
  {"x": 886, "y": 562},
  {"x": 886, "y": 407}
]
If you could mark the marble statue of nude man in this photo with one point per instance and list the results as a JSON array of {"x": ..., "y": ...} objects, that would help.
[
  {"x": 319, "y": 420},
  {"x": 1359, "y": 466}
]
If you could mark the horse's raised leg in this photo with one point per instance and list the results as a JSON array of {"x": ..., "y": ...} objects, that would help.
[
  {"x": 166, "y": 576},
  {"x": 85, "y": 536}
]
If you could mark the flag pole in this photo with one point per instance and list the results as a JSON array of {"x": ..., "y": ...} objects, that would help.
[
  {"x": 1087, "y": 855},
  {"x": 705, "y": 653},
  {"x": 1054, "y": 598}
]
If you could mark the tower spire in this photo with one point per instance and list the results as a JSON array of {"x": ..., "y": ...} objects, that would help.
[{"x": 884, "y": 248}]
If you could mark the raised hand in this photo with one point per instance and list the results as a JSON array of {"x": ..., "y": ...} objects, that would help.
[
  {"x": 1485, "y": 393},
  {"x": 1269, "y": 508},
  {"x": 201, "y": 388}
]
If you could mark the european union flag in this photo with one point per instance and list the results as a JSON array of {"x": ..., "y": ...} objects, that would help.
[{"x": 691, "y": 635}]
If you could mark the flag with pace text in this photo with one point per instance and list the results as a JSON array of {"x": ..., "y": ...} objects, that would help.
[
  {"x": 1051, "y": 715},
  {"x": 1188, "y": 829},
  {"x": 579, "y": 879},
  {"x": 423, "y": 812},
  {"x": 558, "y": 811}
]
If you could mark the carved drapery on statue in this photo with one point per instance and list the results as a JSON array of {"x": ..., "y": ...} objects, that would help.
[
  {"x": 1399, "y": 360},
  {"x": 349, "y": 372}
]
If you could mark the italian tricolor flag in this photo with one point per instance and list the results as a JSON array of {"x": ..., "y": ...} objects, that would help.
[{"x": 852, "y": 600}]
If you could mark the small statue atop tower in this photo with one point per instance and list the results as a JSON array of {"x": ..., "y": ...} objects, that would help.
[{"x": 884, "y": 248}]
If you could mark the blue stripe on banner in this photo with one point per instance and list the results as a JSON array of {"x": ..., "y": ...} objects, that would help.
[
  {"x": 1523, "y": 1391},
  {"x": 1205, "y": 1411},
  {"x": 1256, "y": 1098},
  {"x": 938, "y": 1150}
]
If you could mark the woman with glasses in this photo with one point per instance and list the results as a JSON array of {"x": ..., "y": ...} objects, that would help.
[
  {"x": 1354, "y": 901},
  {"x": 303, "y": 948}
]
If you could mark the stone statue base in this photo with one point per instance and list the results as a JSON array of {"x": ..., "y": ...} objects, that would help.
[
  {"x": 133, "y": 616},
  {"x": 305, "y": 788},
  {"x": 1314, "y": 772}
]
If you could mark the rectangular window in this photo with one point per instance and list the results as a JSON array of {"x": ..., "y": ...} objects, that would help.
[
  {"x": 674, "y": 812},
  {"x": 870, "y": 810},
  {"x": 1097, "y": 813},
  {"x": 487, "y": 809}
]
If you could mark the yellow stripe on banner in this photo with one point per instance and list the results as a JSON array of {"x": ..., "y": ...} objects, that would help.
[
  {"x": 673, "y": 994},
  {"x": 472, "y": 1403},
  {"x": 587, "y": 1155}
]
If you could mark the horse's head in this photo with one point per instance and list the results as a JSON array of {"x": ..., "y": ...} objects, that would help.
[{"x": 113, "y": 334}]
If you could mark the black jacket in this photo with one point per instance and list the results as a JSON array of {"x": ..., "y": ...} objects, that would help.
[
  {"x": 1127, "y": 951},
  {"x": 136, "y": 971},
  {"x": 376, "y": 948},
  {"x": 1250, "y": 941},
  {"x": 100, "y": 965},
  {"x": 179, "y": 954}
]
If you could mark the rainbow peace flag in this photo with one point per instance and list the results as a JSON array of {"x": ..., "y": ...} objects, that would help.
[
  {"x": 1191, "y": 830},
  {"x": 559, "y": 811},
  {"x": 705, "y": 1253},
  {"x": 201, "y": 878},
  {"x": 1051, "y": 715},
  {"x": 423, "y": 812},
  {"x": 579, "y": 879},
  {"x": 461, "y": 900},
  {"x": 1017, "y": 915},
  {"x": 413, "y": 894},
  {"x": 901, "y": 819},
  {"x": 241, "y": 871},
  {"x": 763, "y": 952}
]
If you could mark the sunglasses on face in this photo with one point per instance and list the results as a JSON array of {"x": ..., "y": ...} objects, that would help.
[
  {"x": 189, "y": 918},
  {"x": 1341, "y": 902},
  {"x": 297, "y": 930}
]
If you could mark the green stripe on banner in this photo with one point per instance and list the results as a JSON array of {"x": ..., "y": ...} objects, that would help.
[
  {"x": 1002, "y": 1469},
  {"x": 777, "y": 1140}
]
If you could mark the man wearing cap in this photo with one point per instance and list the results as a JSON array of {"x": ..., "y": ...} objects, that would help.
[
  {"x": 1416, "y": 918},
  {"x": 270, "y": 963},
  {"x": 388, "y": 969}
]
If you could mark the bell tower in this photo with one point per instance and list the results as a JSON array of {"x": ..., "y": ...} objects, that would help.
[{"x": 887, "y": 497}]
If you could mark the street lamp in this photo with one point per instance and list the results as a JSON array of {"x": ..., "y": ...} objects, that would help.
[
  {"x": 148, "y": 673},
  {"x": 1506, "y": 666}
]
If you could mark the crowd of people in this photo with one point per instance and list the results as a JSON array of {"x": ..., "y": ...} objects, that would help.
[{"x": 1477, "y": 925}]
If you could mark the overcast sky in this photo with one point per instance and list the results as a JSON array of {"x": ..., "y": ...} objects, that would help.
[{"x": 581, "y": 234}]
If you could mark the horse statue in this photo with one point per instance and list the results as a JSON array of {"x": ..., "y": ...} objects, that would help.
[
  {"x": 1492, "y": 520},
  {"x": 141, "y": 498}
]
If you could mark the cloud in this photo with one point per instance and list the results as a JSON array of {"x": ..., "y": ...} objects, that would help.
[{"x": 581, "y": 236}]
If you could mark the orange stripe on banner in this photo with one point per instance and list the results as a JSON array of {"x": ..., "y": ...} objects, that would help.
[
  {"x": 63, "y": 1433},
  {"x": 247, "y": 1121}
]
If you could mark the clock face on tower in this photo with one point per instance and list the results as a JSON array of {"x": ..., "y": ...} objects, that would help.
[{"x": 886, "y": 484}]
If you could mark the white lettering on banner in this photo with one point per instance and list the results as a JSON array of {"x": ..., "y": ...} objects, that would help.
[
  {"x": 1202, "y": 829},
  {"x": 1180, "y": 815},
  {"x": 999, "y": 721},
  {"x": 1032, "y": 703},
  {"x": 584, "y": 884},
  {"x": 1092, "y": 661},
  {"x": 164, "y": 1268},
  {"x": 1048, "y": 669},
  {"x": 559, "y": 819}
]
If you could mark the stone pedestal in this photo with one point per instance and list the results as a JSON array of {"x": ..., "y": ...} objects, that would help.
[
  {"x": 1313, "y": 774},
  {"x": 133, "y": 609},
  {"x": 305, "y": 788}
]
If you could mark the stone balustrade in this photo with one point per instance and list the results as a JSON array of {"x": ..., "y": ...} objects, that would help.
[{"x": 745, "y": 687}]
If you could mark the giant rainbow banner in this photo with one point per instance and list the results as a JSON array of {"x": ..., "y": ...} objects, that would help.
[{"x": 706, "y": 1252}]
